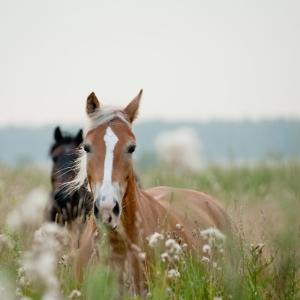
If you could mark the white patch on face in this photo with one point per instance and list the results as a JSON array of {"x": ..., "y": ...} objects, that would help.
[
  {"x": 110, "y": 142},
  {"x": 104, "y": 193}
]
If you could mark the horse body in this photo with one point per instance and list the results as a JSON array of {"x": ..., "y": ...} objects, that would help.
[
  {"x": 194, "y": 207},
  {"x": 127, "y": 214}
]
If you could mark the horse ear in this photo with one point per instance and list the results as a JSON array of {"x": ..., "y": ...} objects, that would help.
[
  {"x": 132, "y": 109},
  {"x": 57, "y": 134},
  {"x": 92, "y": 104},
  {"x": 79, "y": 138}
]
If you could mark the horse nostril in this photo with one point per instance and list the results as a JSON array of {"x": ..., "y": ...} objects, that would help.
[{"x": 116, "y": 209}]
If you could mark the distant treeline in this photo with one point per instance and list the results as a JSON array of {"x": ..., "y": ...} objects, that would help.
[{"x": 220, "y": 141}]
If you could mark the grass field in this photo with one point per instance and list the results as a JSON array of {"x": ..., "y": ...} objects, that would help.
[{"x": 264, "y": 201}]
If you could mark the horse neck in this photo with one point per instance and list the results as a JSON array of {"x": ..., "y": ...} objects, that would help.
[{"x": 130, "y": 208}]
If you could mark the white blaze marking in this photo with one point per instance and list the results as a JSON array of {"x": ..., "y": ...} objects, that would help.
[
  {"x": 110, "y": 141},
  {"x": 106, "y": 190}
]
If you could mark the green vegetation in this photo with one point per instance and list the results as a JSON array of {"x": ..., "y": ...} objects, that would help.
[{"x": 263, "y": 200}]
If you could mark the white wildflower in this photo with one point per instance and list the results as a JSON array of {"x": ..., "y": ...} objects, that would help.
[
  {"x": 154, "y": 238},
  {"x": 75, "y": 294},
  {"x": 142, "y": 256},
  {"x": 205, "y": 259},
  {"x": 176, "y": 258},
  {"x": 173, "y": 273},
  {"x": 173, "y": 252},
  {"x": 165, "y": 257},
  {"x": 214, "y": 236},
  {"x": 206, "y": 249},
  {"x": 18, "y": 293},
  {"x": 169, "y": 243},
  {"x": 39, "y": 264},
  {"x": 29, "y": 211},
  {"x": 257, "y": 248},
  {"x": 173, "y": 246},
  {"x": 23, "y": 280},
  {"x": 64, "y": 261}
]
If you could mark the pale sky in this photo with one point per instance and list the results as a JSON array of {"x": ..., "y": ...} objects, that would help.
[{"x": 196, "y": 60}]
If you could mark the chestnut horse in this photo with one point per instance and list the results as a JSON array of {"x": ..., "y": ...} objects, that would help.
[
  {"x": 127, "y": 214},
  {"x": 63, "y": 206}
]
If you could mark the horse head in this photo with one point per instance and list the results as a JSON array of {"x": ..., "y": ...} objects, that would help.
[
  {"x": 108, "y": 148},
  {"x": 63, "y": 154}
]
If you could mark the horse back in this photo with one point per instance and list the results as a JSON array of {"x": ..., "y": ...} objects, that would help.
[{"x": 195, "y": 210}]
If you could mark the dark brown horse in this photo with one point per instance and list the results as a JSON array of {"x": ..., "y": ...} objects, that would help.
[
  {"x": 127, "y": 214},
  {"x": 63, "y": 206}
]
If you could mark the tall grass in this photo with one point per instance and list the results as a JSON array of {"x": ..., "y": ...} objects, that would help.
[{"x": 37, "y": 261}]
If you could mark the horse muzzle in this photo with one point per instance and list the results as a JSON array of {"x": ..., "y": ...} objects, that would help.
[{"x": 108, "y": 215}]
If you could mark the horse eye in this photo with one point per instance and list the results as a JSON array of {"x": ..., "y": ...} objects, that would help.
[
  {"x": 87, "y": 148},
  {"x": 131, "y": 149}
]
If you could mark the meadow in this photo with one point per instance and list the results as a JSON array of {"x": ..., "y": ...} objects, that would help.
[{"x": 37, "y": 260}]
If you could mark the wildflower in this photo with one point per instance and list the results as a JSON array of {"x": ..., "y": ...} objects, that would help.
[
  {"x": 205, "y": 259},
  {"x": 142, "y": 256},
  {"x": 173, "y": 273},
  {"x": 29, "y": 211},
  {"x": 214, "y": 236},
  {"x": 165, "y": 257},
  {"x": 257, "y": 248},
  {"x": 173, "y": 246},
  {"x": 206, "y": 249},
  {"x": 170, "y": 243},
  {"x": 184, "y": 246},
  {"x": 75, "y": 294},
  {"x": 173, "y": 252},
  {"x": 39, "y": 264},
  {"x": 153, "y": 239},
  {"x": 18, "y": 293},
  {"x": 23, "y": 279},
  {"x": 64, "y": 260}
]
